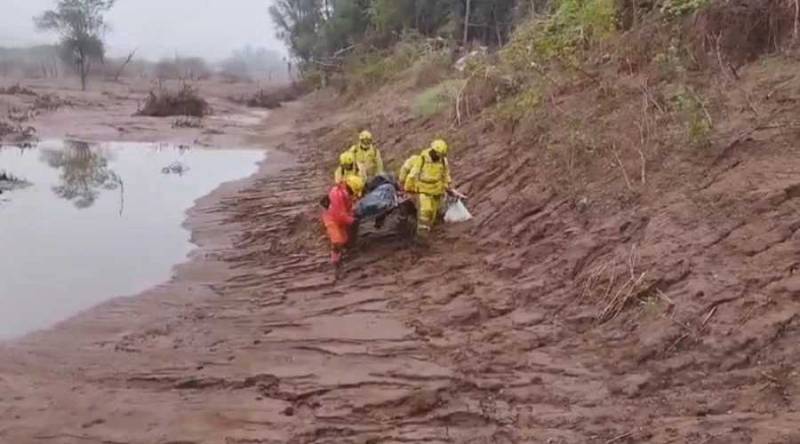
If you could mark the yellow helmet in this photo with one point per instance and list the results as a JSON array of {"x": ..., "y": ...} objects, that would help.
[
  {"x": 355, "y": 183},
  {"x": 347, "y": 158},
  {"x": 440, "y": 146},
  {"x": 365, "y": 136}
]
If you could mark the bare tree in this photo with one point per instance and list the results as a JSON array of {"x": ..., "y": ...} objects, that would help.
[{"x": 81, "y": 26}]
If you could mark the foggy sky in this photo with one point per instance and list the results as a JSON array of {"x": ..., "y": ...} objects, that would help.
[{"x": 159, "y": 28}]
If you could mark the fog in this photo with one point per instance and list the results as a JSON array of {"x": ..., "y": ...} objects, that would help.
[{"x": 159, "y": 28}]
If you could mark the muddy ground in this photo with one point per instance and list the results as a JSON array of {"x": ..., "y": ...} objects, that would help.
[{"x": 673, "y": 320}]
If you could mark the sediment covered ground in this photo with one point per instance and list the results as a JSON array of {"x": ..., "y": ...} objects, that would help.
[{"x": 669, "y": 317}]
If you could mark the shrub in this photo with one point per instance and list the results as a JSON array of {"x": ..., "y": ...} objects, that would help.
[
  {"x": 431, "y": 69},
  {"x": 436, "y": 99},
  {"x": 573, "y": 26},
  {"x": 274, "y": 98},
  {"x": 698, "y": 121},
  {"x": 679, "y": 8},
  {"x": 515, "y": 108},
  {"x": 486, "y": 86},
  {"x": 367, "y": 70},
  {"x": 186, "y": 102}
]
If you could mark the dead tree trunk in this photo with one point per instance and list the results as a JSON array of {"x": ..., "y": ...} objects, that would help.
[
  {"x": 82, "y": 69},
  {"x": 466, "y": 22}
]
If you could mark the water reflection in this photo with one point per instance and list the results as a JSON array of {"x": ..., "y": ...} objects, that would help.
[
  {"x": 93, "y": 253},
  {"x": 84, "y": 172}
]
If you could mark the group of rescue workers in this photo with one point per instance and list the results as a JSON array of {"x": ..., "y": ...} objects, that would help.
[{"x": 425, "y": 175}]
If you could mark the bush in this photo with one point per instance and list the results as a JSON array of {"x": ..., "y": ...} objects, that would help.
[
  {"x": 364, "y": 71},
  {"x": 185, "y": 102},
  {"x": 50, "y": 102},
  {"x": 698, "y": 121},
  {"x": 573, "y": 26},
  {"x": 436, "y": 99},
  {"x": 678, "y": 8},
  {"x": 431, "y": 69},
  {"x": 514, "y": 109},
  {"x": 261, "y": 99},
  {"x": 275, "y": 98},
  {"x": 486, "y": 86}
]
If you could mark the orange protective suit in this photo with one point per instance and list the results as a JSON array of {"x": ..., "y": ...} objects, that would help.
[{"x": 338, "y": 219}]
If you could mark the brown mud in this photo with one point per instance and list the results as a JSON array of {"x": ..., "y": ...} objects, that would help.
[{"x": 672, "y": 319}]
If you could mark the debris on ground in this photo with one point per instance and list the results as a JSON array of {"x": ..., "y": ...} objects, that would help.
[
  {"x": 176, "y": 167},
  {"x": 15, "y": 131},
  {"x": 15, "y": 90},
  {"x": 50, "y": 102},
  {"x": 187, "y": 122},
  {"x": 9, "y": 182},
  {"x": 165, "y": 103},
  {"x": 271, "y": 99},
  {"x": 261, "y": 99}
]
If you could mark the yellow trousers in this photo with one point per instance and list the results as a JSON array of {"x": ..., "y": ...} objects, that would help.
[{"x": 428, "y": 212}]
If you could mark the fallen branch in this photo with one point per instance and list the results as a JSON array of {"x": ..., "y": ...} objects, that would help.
[
  {"x": 622, "y": 168},
  {"x": 640, "y": 148},
  {"x": 619, "y": 438},
  {"x": 709, "y": 315}
]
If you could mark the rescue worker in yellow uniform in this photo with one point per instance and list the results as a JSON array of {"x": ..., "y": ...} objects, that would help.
[
  {"x": 430, "y": 179},
  {"x": 347, "y": 167},
  {"x": 367, "y": 156},
  {"x": 405, "y": 169}
]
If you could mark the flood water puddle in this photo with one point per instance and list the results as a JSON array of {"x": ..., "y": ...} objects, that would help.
[{"x": 98, "y": 221}]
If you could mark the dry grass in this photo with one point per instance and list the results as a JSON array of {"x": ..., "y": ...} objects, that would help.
[{"x": 615, "y": 285}]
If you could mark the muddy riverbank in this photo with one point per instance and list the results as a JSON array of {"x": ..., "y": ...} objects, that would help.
[{"x": 60, "y": 367}]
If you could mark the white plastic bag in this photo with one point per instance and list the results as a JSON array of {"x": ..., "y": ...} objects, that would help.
[{"x": 457, "y": 212}]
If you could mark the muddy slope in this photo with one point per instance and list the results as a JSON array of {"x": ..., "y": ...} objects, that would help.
[{"x": 671, "y": 317}]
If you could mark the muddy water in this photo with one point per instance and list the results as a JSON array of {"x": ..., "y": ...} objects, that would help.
[{"x": 97, "y": 221}]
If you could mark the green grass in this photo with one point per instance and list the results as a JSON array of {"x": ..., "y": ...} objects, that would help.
[{"x": 436, "y": 99}]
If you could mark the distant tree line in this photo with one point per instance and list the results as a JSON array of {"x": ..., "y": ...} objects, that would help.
[
  {"x": 318, "y": 29},
  {"x": 81, "y": 49},
  {"x": 42, "y": 62}
]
